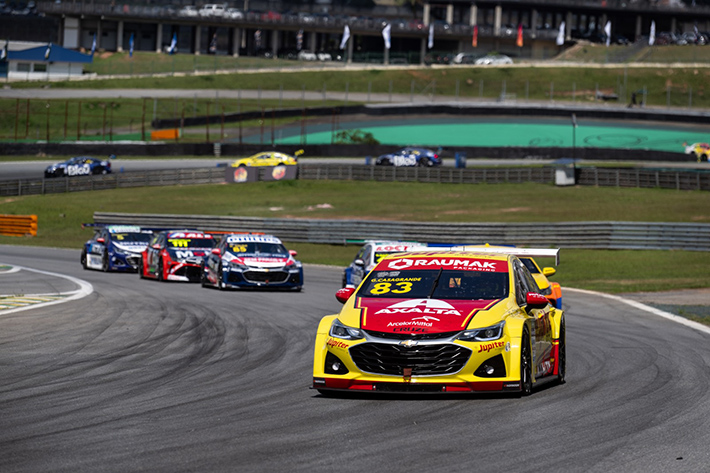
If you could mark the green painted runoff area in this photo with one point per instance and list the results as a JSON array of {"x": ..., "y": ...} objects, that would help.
[{"x": 513, "y": 132}]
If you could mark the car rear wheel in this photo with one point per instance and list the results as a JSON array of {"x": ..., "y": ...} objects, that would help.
[
  {"x": 424, "y": 162},
  {"x": 83, "y": 259},
  {"x": 141, "y": 269},
  {"x": 104, "y": 262},
  {"x": 160, "y": 271},
  {"x": 525, "y": 365},
  {"x": 220, "y": 281},
  {"x": 562, "y": 355},
  {"x": 385, "y": 162}
]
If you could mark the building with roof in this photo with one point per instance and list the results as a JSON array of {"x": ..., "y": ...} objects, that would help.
[{"x": 29, "y": 61}]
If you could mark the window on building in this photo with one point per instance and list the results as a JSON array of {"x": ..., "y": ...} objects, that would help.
[
  {"x": 40, "y": 68},
  {"x": 23, "y": 67}
]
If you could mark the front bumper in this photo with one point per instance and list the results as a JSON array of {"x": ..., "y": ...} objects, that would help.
[
  {"x": 432, "y": 366},
  {"x": 259, "y": 277}
]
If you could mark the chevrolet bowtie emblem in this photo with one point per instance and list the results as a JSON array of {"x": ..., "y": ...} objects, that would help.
[{"x": 409, "y": 343}]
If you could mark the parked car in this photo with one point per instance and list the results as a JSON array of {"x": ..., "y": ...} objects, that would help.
[
  {"x": 493, "y": 60},
  {"x": 213, "y": 9},
  {"x": 305, "y": 55}
]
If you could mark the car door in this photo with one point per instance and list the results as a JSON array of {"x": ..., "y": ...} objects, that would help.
[
  {"x": 154, "y": 250},
  {"x": 541, "y": 336}
]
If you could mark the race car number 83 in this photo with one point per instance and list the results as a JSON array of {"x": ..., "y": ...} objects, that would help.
[{"x": 385, "y": 287}]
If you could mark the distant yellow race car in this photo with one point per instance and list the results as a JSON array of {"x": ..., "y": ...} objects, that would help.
[
  {"x": 442, "y": 322},
  {"x": 268, "y": 158},
  {"x": 700, "y": 150}
]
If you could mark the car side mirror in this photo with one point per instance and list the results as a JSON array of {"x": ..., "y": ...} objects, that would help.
[
  {"x": 359, "y": 262},
  {"x": 548, "y": 271},
  {"x": 216, "y": 251},
  {"x": 100, "y": 240},
  {"x": 156, "y": 246},
  {"x": 293, "y": 253},
  {"x": 344, "y": 294},
  {"x": 535, "y": 300}
]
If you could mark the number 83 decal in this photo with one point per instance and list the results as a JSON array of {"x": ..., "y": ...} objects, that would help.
[{"x": 385, "y": 287}]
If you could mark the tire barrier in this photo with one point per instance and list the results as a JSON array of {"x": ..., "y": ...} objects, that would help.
[{"x": 18, "y": 225}]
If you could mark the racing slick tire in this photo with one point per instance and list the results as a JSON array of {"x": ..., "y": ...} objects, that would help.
[
  {"x": 203, "y": 279},
  {"x": 83, "y": 259},
  {"x": 160, "y": 270},
  {"x": 220, "y": 281},
  {"x": 562, "y": 355},
  {"x": 104, "y": 262},
  {"x": 423, "y": 162},
  {"x": 525, "y": 365},
  {"x": 385, "y": 162}
]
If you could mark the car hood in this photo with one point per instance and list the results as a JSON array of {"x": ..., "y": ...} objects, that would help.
[
  {"x": 259, "y": 261},
  {"x": 134, "y": 247},
  {"x": 189, "y": 254},
  {"x": 412, "y": 315}
]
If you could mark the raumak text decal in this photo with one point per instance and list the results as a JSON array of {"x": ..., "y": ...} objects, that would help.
[{"x": 467, "y": 264}]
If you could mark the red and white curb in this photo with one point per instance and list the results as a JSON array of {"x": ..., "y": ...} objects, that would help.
[{"x": 15, "y": 303}]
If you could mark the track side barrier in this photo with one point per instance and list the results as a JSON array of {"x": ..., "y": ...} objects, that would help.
[{"x": 18, "y": 225}]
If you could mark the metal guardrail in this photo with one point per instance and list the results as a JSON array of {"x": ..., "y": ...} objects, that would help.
[
  {"x": 593, "y": 235},
  {"x": 589, "y": 176}
]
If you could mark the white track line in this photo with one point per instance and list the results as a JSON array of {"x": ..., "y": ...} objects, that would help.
[
  {"x": 84, "y": 290},
  {"x": 638, "y": 305}
]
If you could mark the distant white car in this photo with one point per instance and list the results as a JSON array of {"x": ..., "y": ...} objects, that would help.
[
  {"x": 493, "y": 60},
  {"x": 213, "y": 9},
  {"x": 307, "y": 55},
  {"x": 234, "y": 14},
  {"x": 188, "y": 10},
  {"x": 323, "y": 56}
]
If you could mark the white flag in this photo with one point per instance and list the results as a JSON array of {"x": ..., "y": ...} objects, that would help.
[
  {"x": 346, "y": 37},
  {"x": 607, "y": 31},
  {"x": 173, "y": 44},
  {"x": 561, "y": 35},
  {"x": 386, "y": 34},
  {"x": 652, "y": 34},
  {"x": 430, "y": 44},
  {"x": 48, "y": 51}
]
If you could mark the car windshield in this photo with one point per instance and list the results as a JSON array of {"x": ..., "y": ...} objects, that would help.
[
  {"x": 132, "y": 237},
  {"x": 436, "y": 284},
  {"x": 258, "y": 247},
  {"x": 177, "y": 243}
]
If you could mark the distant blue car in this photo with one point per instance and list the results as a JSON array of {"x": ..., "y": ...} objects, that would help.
[
  {"x": 115, "y": 248},
  {"x": 79, "y": 166},
  {"x": 410, "y": 156},
  {"x": 252, "y": 260}
]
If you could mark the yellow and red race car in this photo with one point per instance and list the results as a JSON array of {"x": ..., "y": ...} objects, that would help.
[
  {"x": 441, "y": 322},
  {"x": 268, "y": 158},
  {"x": 700, "y": 150}
]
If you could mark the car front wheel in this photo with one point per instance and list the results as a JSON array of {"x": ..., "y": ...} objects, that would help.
[{"x": 525, "y": 365}]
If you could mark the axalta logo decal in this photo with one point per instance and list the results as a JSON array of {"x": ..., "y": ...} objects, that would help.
[
  {"x": 428, "y": 307},
  {"x": 476, "y": 265}
]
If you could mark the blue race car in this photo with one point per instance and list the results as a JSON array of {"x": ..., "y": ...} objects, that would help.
[
  {"x": 79, "y": 166},
  {"x": 115, "y": 248},
  {"x": 248, "y": 260},
  {"x": 410, "y": 156}
]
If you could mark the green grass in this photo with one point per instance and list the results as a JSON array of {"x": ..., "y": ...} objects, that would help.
[
  {"x": 537, "y": 82},
  {"x": 127, "y": 119},
  {"x": 61, "y": 215}
]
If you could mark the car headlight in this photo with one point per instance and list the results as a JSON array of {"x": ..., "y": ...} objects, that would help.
[
  {"x": 483, "y": 334},
  {"x": 338, "y": 330},
  {"x": 238, "y": 266}
]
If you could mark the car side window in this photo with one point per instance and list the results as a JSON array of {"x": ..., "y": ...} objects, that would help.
[{"x": 367, "y": 255}]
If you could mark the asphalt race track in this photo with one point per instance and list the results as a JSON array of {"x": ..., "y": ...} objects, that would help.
[{"x": 169, "y": 377}]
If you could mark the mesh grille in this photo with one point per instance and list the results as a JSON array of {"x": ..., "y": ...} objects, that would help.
[
  {"x": 383, "y": 358},
  {"x": 271, "y": 276}
]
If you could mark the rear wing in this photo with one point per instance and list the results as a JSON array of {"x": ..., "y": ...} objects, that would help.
[{"x": 504, "y": 250}]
